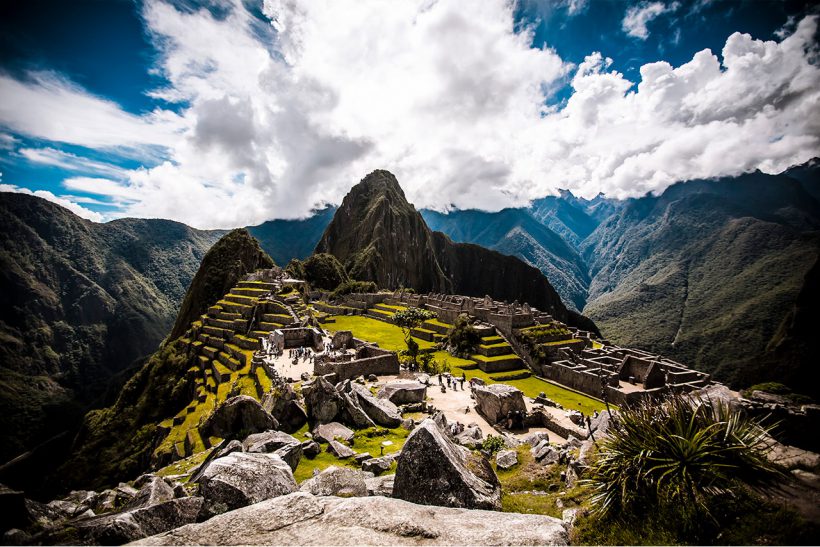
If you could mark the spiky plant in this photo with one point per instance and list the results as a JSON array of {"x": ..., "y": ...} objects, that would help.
[{"x": 679, "y": 454}]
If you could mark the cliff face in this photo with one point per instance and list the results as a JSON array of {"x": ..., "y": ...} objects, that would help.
[{"x": 381, "y": 237}]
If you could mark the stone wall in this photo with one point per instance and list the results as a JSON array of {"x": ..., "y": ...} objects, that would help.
[
  {"x": 374, "y": 361},
  {"x": 302, "y": 336}
]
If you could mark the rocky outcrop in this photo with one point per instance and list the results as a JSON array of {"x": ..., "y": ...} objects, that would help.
[
  {"x": 283, "y": 404},
  {"x": 402, "y": 392},
  {"x": 152, "y": 490},
  {"x": 336, "y": 481},
  {"x": 275, "y": 442},
  {"x": 497, "y": 401},
  {"x": 377, "y": 466},
  {"x": 432, "y": 470},
  {"x": 241, "y": 479},
  {"x": 323, "y": 403},
  {"x": 380, "y": 486},
  {"x": 237, "y": 415},
  {"x": 381, "y": 411},
  {"x": 340, "y": 450},
  {"x": 301, "y": 519}
]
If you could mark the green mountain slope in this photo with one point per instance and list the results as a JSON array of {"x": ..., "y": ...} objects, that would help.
[
  {"x": 286, "y": 239},
  {"x": 707, "y": 271},
  {"x": 79, "y": 302}
]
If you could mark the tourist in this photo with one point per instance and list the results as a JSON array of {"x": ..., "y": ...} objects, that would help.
[{"x": 462, "y": 383}]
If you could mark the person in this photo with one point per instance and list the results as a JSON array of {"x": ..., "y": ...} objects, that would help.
[
  {"x": 440, "y": 382},
  {"x": 462, "y": 383},
  {"x": 463, "y": 376}
]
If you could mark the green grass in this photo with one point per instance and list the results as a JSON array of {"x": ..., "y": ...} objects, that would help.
[
  {"x": 485, "y": 359},
  {"x": 184, "y": 466},
  {"x": 387, "y": 336},
  {"x": 454, "y": 362},
  {"x": 439, "y": 323},
  {"x": 393, "y": 307}
]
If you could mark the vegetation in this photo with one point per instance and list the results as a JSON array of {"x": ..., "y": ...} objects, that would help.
[
  {"x": 463, "y": 339},
  {"x": 493, "y": 443},
  {"x": 408, "y": 319},
  {"x": 386, "y": 335},
  {"x": 353, "y": 286},
  {"x": 778, "y": 389},
  {"x": 680, "y": 458},
  {"x": 324, "y": 271}
]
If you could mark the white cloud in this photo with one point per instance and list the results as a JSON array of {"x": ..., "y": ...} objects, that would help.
[
  {"x": 640, "y": 15},
  {"x": 453, "y": 102},
  {"x": 62, "y": 201}
]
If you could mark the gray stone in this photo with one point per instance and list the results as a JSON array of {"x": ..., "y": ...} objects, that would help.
[
  {"x": 471, "y": 437},
  {"x": 400, "y": 392},
  {"x": 241, "y": 479},
  {"x": 506, "y": 459},
  {"x": 275, "y": 442},
  {"x": 380, "y": 486},
  {"x": 381, "y": 411},
  {"x": 336, "y": 481},
  {"x": 283, "y": 404},
  {"x": 323, "y": 403},
  {"x": 377, "y": 466},
  {"x": 311, "y": 449},
  {"x": 353, "y": 413},
  {"x": 601, "y": 423},
  {"x": 153, "y": 490},
  {"x": 432, "y": 470},
  {"x": 496, "y": 401},
  {"x": 237, "y": 416},
  {"x": 327, "y": 432},
  {"x": 408, "y": 424},
  {"x": 372, "y": 378},
  {"x": 570, "y": 476},
  {"x": 301, "y": 518},
  {"x": 545, "y": 453},
  {"x": 343, "y": 339},
  {"x": 138, "y": 523},
  {"x": 360, "y": 458},
  {"x": 233, "y": 446},
  {"x": 340, "y": 450}
]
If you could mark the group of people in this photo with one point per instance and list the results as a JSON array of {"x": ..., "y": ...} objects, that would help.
[
  {"x": 303, "y": 353},
  {"x": 452, "y": 382}
]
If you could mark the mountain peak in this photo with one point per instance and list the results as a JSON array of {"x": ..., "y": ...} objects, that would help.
[{"x": 381, "y": 182}]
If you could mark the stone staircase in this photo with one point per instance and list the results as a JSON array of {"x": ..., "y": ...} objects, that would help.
[{"x": 495, "y": 354}]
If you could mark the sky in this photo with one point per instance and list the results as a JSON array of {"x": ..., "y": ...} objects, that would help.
[{"x": 229, "y": 113}]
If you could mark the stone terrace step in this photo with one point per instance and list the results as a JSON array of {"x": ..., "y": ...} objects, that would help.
[
  {"x": 240, "y": 299},
  {"x": 498, "y": 363},
  {"x": 221, "y": 373},
  {"x": 235, "y": 307},
  {"x": 493, "y": 350},
  {"x": 493, "y": 339},
  {"x": 257, "y": 285},
  {"x": 425, "y": 334},
  {"x": 248, "y": 291},
  {"x": 221, "y": 323},
  {"x": 437, "y": 326},
  {"x": 230, "y": 362},
  {"x": 282, "y": 318},
  {"x": 506, "y": 376},
  {"x": 217, "y": 331}
]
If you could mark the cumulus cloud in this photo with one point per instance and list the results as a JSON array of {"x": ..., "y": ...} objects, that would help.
[
  {"x": 279, "y": 113},
  {"x": 78, "y": 210},
  {"x": 640, "y": 15}
]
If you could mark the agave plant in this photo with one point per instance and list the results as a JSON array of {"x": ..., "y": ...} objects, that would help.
[{"x": 679, "y": 453}]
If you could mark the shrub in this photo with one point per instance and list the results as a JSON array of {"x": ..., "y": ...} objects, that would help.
[
  {"x": 493, "y": 443},
  {"x": 324, "y": 271},
  {"x": 353, "y": 286},
  {"x": 677, "y": 458}
]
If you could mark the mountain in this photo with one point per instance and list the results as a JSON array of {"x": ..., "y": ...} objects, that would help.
[
  {"x": 286, "y": 239},
  {"x": 708, "y": 271},
  {"x": 79, "y": 303},
  {"x": 380, "y": 237},
  {"x": 236, "y": 254},
  {"x": 116, "y": 442},
  {"x": 516, "y": 232}
]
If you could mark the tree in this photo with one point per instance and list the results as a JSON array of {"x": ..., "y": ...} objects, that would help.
[
  {"x": 409, "y": 319},
  {"x": 463, "y": 339}
]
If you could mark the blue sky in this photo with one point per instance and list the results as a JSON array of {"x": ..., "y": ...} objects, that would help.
[{"x": 231, "y": 113}]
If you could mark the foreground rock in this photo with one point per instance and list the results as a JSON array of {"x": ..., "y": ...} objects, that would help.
[
  {"x": 241, "y": 479},
  {"x": 336, "y": 481},
  {"x": 332, "y": 431},
  {"x": 283, "y": 404},
  {"x": 402, "y": 392},
  {"x": 238, "y": 414},
  {"x": 432, "y": 470},
  {"x": 275, "y": 442},
  {"x": 303, "y": 519},
  {"x": 498, "y": 401}
]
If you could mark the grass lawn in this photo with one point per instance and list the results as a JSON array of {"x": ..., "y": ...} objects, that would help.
[{"x": 387, "y": 336}]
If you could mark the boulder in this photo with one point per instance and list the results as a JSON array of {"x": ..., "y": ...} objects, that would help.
[
  {"x": 545, "y": 453},
  {"x": 432, "y": 470},
  {"x": 506, "y": 459},
  {"x": 377, "y": 466},
  {"x": 327, "y": 432},
  {"x": 601, "y": 423},
  {"x": 237, "y": 416},
  {"x": 275, "y": 442},
  {"x": 353, "y": 413},
  {"x": 496, "y": 401},
  {"x": 232, "y": 446},
  {"x": 340, "y": 450},
  {"x": 471, "y": 437},
  {"x": 301, "y": 518},
  {"x": 408, "y": 424},
  {"x": 153, "y": 490},
  {"x": 311, "y": 449},
  {"x": 138, "y": 523},
  {"x": 401, "y": 392},
  {"x": 381, "y": 411},
  {"x": 283, "y": 404},
  {"x": 534, "y": 438},
  {"x": 241, "y": 479},
  {"x": 360, "y": 458},
  {"x": 322, "y": 400},
  {"x": 336, "y": 481},
  {"x": 343, "y": 339},
  {"x": 380, "y": 486}
]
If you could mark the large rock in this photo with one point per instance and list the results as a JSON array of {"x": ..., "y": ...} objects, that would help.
[
  {"x": 275, "y": 442},
  {"x": 545, "y": 453},
  {"x": 380, "y": 486},
  {"x": 138, "y": 523},
  {"x": 322, "y": 400},
  {"x": 432, "y": 470},
  {"x": 336, "y": 481},
  {"x": 377, "y": 466},
  {"x": 353, "y": 413},
  {"x": 343, "y": 339},
  {"x": 402, "y": 392},
  {"x": 304, "y": 519},
  {"x": 241, "y": 479},
  {"x": 237, "y": 417},
  {"x": 152, "y": 490},
  {"x": 496, "y": 401},
  {"x": 381, "y": 411},
  {"x": 471, "y": 437},
  {"x": 506, "y": 459},
  {"x": 283, "y": 404},
  {"x": 334, "y": 430},
  {"x": 340, "y": 450}
]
